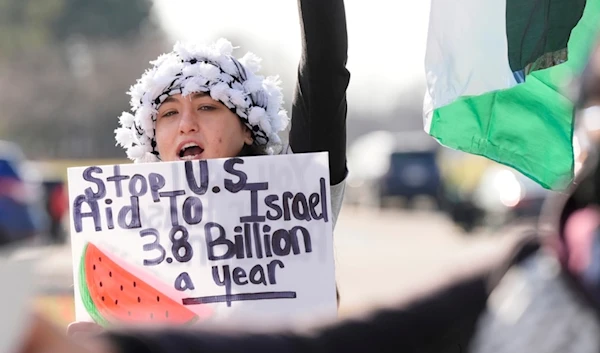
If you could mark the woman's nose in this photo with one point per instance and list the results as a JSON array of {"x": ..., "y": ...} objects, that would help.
[{"x": 188, "y": 123}]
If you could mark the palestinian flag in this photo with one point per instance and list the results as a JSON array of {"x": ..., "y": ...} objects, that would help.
[{"x": 497, "y": 72}]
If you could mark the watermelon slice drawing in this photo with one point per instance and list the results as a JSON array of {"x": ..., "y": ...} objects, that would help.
[{"x": 113, "y": 293}]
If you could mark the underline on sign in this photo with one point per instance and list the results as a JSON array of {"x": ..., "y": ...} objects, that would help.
[{"x": 238, "y": 297}]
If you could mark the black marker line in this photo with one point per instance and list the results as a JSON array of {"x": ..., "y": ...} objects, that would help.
[{"x": 238, "y": 297}]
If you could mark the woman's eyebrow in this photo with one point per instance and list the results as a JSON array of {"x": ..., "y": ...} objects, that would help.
[
  {"x": 170, "y": 99},
  {"x": 200, "y": 95}
]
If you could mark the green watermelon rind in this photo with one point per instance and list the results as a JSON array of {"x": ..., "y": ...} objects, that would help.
[
  {"x": 193, "y": 320},
  {"x": 88, "y": 301}
]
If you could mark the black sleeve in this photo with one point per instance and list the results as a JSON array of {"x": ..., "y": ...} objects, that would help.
[
  {"x": 442, "y": 322},
  {"x": 319, "y": 107}
]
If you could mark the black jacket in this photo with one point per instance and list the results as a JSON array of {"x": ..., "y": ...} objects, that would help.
[{"x": 319, "y": 108}]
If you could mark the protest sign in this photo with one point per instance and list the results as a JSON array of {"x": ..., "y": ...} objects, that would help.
[{"x": 178, "y": 242}]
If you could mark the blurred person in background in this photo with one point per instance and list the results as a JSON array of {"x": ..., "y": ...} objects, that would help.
[
  {"x": 57, "y": 205},
  {"x": 549, "y": 301},
  {"x": 199, "y": 102}
]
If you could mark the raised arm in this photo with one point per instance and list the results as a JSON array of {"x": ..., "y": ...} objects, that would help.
[{"x": 319, "y": 108}]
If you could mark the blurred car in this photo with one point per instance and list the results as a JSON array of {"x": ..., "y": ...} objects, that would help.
[
  {"x": 505, "y": 195},
  {"x": 386, "y": 165},
  {"x": 53, "y": 198},
  {"x": 499, "y": 195},
  {"x": 461, "y": 175},
  {"x": 481, "y": 192},
  {"x": 21, "y": 214},
  {"x": 411, "y": 174},
  {"x": 55, "y": 201}
]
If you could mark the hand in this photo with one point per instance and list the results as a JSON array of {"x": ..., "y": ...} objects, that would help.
[
  {"x": 83, "y": 329},
  {"x": 45, "y": 337}
]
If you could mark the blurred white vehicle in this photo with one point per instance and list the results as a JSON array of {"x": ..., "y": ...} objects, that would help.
[
  {"x": 504, "y": 195},
  {"x": 385, "y": 165}
]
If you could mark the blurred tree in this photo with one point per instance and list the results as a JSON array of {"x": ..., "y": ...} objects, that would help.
[
  {"x": 26, "y": 24},
  {"x": 100, "y": 19}
]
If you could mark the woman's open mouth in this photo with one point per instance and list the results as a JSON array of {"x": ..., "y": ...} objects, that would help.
[{"x": 190, "y": 151}]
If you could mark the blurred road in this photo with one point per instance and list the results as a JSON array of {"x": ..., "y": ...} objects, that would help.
[
  {"x": 382, "y": 256},
  {"x": 387, "y": 257}
]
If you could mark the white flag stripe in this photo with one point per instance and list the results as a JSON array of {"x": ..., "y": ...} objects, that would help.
[{"x": 467, "y": 50}]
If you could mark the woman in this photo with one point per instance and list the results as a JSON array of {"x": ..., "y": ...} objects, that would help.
[{"x": 199, "y": 102}]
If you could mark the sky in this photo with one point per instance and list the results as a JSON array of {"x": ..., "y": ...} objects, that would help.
[{"x": 386, "y": 39}]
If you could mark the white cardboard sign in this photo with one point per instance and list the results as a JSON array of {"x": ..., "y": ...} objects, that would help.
[{"x": 174, "y": 242}]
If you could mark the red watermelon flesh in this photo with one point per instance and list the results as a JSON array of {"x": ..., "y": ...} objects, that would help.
[{"x": 113, "y": 293}]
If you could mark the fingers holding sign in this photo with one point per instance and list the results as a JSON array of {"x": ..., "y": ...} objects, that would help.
[
  {"x": 83, "y": 329},
  {"x": 41, "y": 336}
]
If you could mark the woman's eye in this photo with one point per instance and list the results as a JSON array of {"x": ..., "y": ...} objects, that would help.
[
  {"x": 206, "y": 107},
  {"x": 169, "y": 113}
]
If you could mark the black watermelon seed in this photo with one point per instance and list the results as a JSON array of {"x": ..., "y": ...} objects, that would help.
[
  {"x": 94, "y": 267},
  {"x": 109, "y": 274},
  {"x": 100, "y": 284},
  {"x": 121, "y": 288},
  {"x": 134, "y": 284},
  {"x": 157, "y": 298},
  {"x": 100, "y": 259},
  {"x": 102, "y": 298},
  {"x": 116, "y": 301},
  {"x": 139, "y": 300}
]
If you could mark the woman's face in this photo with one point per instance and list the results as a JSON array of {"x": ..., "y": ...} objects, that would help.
[{"x": 198, "y": 127}]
